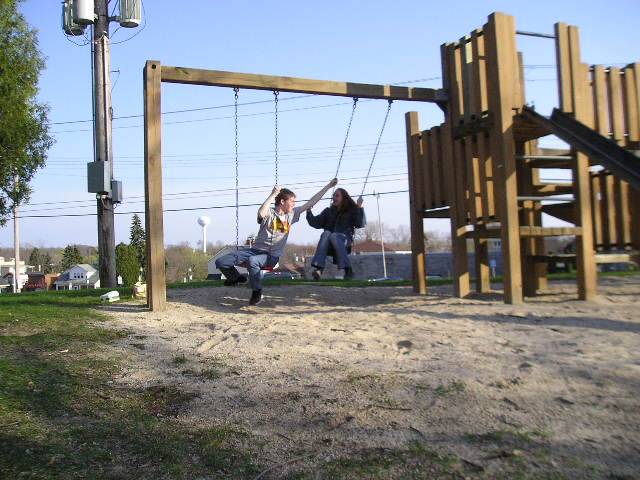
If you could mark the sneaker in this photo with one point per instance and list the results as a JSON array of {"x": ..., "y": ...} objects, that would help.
[
  {"x": 230, "y": 282},
  {"x": 348, "y": 273},
  {"x": 317, "y": 274},
  {"x": 256, "y": 297}
]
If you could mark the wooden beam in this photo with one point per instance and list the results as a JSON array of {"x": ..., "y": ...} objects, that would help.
[
  {"x": 503, "y": 75},
  {"x": 156, "y": 282},
  {"x": 416, "y": 202},
  {"x": 217, "y": 78},
  {"x": 575, "y": 97},
  {"x": 549, "y": 231}
]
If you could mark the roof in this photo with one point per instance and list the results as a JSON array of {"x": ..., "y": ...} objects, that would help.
[{"x": 371, "y": 246}]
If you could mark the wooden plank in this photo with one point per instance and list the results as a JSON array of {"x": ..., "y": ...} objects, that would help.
[
  {"x": 466, "y": 78},
  {"x": 439, "y": 213},
  {"x": 630, "y": 101},
  {"x": 585, "y": 266},
  {"x": 416, "y": 203},
  {"x": 468, "y": 164},
  {"x": 426, "y": 169},
  {"x": 479, "y": 66},
  {"x": 614, "y": 82},
  {"x": 563, "y": 62},
  {"x": 596, "y": 209},
  {"x": 438, "y": 177},
  {"x": 480, "y": 105},
  {"x": 195, "y": 76},
  {"x": 600, "y": 99},
  {"x": 610, "y": 232},
  {"x": 461, "y": 275},
  {"x": 617, "y": 257},
  {"x": 621, "y": 188},
  {"x": 483, "y": 270},
  {"x": 502, "y": 70},
  {"x": 624, "y": 213},
  {"x": 156, "y": 282},
  {"x": 545, "y": 189},
  {"x": 549, "y": 231}
]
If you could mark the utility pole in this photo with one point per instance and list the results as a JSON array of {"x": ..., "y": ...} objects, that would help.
[
  {"x": 16, "y": 245},
  {"x": 102, "y": 141}
]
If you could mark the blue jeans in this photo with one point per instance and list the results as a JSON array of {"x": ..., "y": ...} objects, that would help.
[
  {"x": 339, "y": 243},
  {"x": 252, "y": 258}
]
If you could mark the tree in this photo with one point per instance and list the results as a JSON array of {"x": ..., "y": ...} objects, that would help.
[
  {"x": 47, "y": 263},
  {"x": 138, "y": 240},
  {"x": 24, "y": 130},
  {"x": 35, "y": 259},
  {"x": 127, "y": 265},
  {"x": 70, "y": 256}
]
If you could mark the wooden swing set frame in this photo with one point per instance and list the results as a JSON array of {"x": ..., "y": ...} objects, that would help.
[{"x": 155, "y": 74}]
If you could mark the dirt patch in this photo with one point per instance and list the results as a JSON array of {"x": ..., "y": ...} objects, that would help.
[{"x": 320, "y": 373}]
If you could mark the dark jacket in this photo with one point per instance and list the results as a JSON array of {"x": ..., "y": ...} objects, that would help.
[{"x": 332, "y": 220}]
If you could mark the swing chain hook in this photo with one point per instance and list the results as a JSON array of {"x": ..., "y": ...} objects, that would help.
[
  {"x": 275, "y": 94},
  {"x": 236, "y": 90}
]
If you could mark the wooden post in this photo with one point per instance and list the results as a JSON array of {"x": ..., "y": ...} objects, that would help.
[
  {"x": 156, "y": 282},
  {"x": 453, "y": 175},
  {"x": 572, "y": 80},
  {"x": 503, "y": 88},
  {"x": 416, "y": 203}
]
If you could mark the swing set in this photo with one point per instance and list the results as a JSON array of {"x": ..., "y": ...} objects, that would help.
[
  {"x": 155, "y": 74},
  {"x": 344, "y": 144}
]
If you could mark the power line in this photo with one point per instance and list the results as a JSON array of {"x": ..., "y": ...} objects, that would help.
[
  {"x": 168, "y": 210},
  {"x": 214, "y": 191}
]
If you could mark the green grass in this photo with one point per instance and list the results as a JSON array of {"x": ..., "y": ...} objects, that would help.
[
  {"x": 62, "y": 416},
  {"x": 390, "y": 283}
]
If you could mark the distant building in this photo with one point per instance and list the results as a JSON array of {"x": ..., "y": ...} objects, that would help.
[
  {"x": 7, "y": 269},
  {"x": 40, "y": 281},
  {"x": 78, "y": 277}
]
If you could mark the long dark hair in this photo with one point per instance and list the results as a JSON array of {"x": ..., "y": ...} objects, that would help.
[{"x": 348, "y": 204}]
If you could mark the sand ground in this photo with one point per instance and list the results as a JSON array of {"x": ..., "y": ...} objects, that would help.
[{"x": 332, "y": 371}]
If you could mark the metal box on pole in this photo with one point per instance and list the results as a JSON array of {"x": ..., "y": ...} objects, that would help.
[
  {"x": 68, "y": 25},
  {"x": 99, "y": 177},
  {"x": 83, "y": 12},
  {"x": 130, "y": 13}
]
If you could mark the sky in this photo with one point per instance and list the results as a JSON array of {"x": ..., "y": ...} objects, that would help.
[{"x": 366, "y": 42}]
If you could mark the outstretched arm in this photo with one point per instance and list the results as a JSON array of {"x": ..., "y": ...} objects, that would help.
[
  {"x": 316, "y": 198},
  {"x": 264, "y": 208}
]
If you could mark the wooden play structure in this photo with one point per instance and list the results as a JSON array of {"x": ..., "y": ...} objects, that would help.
[{"x": 481, "y": 167}]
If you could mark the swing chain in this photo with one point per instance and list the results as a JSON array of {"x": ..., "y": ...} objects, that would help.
[
  {"x": 276, "y": 93},
  {"x": 346, "y": 137},
  {"x": 236, "y": 90},
  {"x": 375, "y": 151}
]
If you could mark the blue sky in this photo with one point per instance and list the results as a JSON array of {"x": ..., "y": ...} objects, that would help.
[{"x": 368, "y": 42}]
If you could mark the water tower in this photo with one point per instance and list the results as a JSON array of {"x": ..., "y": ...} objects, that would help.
[{"x": 203, "y": 221}]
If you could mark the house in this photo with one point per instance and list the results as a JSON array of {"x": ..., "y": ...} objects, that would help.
[
  {"x": 78, "y": 277},
  {"x": 7, "y": 283},
  {"x": 7, "y": 268},
  {"x": 40, "y": 281}
]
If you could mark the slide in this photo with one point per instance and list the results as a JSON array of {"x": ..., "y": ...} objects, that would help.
[{"x": 620, "y": 161}]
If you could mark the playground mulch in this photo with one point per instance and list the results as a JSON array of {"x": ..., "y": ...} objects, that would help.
[{"x": 376, "y": 382}]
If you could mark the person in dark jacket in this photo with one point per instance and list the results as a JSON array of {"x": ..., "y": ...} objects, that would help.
[{"x": 339, "y": 222}]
